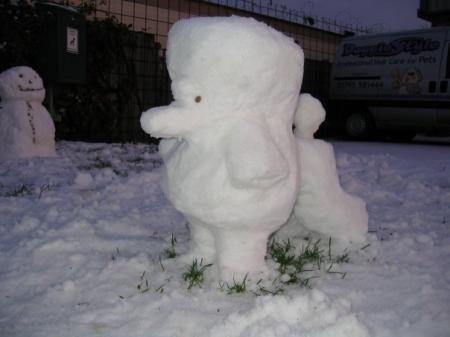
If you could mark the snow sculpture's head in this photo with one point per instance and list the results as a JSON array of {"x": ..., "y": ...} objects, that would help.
[
  {"x": 229, "y": 64},
  {"x": 308, "y": 117},
  {"x": 21, "y": 83},
  {"x": 222, "y": 67}
]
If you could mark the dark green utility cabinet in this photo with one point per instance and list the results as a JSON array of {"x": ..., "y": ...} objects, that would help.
[{"x": 62, "y": 56}]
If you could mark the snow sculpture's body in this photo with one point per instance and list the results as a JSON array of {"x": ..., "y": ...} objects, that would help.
[
  {"x": 26, "y": 128},
  {"x": 230, "y": 155},
  {"x": 322, "y": 205}
]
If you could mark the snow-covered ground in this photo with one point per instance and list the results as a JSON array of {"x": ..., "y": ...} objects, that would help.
[{"x": 84, "y": 242}]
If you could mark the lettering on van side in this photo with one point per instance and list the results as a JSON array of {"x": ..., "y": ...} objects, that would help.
[{"x": 411, "y": 45}]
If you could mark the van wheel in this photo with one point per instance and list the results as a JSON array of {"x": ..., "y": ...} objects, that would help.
[{"x": 358, "y": 125}]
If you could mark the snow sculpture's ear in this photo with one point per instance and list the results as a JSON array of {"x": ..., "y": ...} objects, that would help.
[
  {"x": 252, "y": 158},
  {"x": 308, "y": 116}
]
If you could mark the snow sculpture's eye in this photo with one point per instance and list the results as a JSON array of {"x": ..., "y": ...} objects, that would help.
[
  {"x": 198, "y": 99},
  {"x": 21, "y": 75}
]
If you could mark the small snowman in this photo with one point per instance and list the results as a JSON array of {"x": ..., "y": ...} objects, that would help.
[
  {"x": 26, "y": 128},
  {"x": 322, "y": 205},
  {"x": 229, "y": 152}
]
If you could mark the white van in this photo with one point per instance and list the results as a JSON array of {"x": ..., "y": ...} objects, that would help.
[{"x": 393, "y": 82}]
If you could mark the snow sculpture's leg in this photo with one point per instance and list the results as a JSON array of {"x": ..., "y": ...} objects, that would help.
[
  {"x": 202, "y": 243},
  {"x": 241, "y": 252}
]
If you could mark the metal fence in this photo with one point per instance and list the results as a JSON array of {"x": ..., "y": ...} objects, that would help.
[{"x": 152, "y": 19}]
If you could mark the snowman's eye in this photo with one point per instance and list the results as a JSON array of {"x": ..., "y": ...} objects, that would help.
[
  {"x": 21, "y": 75},
  {"x": 198, "y": 99}
]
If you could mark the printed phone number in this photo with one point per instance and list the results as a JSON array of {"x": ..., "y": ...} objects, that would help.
[{"x": 360, "y": 84}]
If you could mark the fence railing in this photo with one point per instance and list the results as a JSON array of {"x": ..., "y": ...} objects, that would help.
[
  {"x": 303, "y": 16},
  {"x": 144, "y": 71}
]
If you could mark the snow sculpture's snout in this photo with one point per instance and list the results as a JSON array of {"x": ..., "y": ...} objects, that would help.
[
  {"x": 152, "y": 121},
  {"x": 170, "y": 121}
]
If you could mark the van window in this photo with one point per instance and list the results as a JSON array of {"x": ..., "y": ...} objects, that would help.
[{"x": 432, "y": 86}]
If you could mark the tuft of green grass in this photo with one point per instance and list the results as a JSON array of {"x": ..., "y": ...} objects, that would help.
[
  {"x": 194, "y": 275},
  {"x": 292, "y": 266},
  {"x": 236, "y": 287},
  {"x": 344, "y": 258},
  {"x": 312, "y": 253},
  {"x": 282, "y": 253}
]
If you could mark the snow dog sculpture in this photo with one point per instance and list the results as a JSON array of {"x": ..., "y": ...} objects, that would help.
[
  {"x": 322, "y": 205},
  {"x": 26, "y": 128},
  {"x": 229, "y": 151}
]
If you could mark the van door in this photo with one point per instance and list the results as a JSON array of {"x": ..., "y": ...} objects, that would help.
[
  {"x": 443, "y": 88},
  {"x": 407, "y": 99}
]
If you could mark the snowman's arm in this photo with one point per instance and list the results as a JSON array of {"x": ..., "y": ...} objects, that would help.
[{"x": 253, "y": 160}]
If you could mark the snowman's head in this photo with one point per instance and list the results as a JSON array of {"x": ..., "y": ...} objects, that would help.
[
  {"x": 224, "y": 65},
  {"x": 21, "y": 83}
]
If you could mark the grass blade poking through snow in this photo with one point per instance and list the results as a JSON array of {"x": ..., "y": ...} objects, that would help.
[{"x": 170, "y": 252}]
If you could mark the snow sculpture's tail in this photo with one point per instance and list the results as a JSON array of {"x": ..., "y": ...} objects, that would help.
[
  {"x": 308, "y": 116},
  {"x": 322, "y": 205}
]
